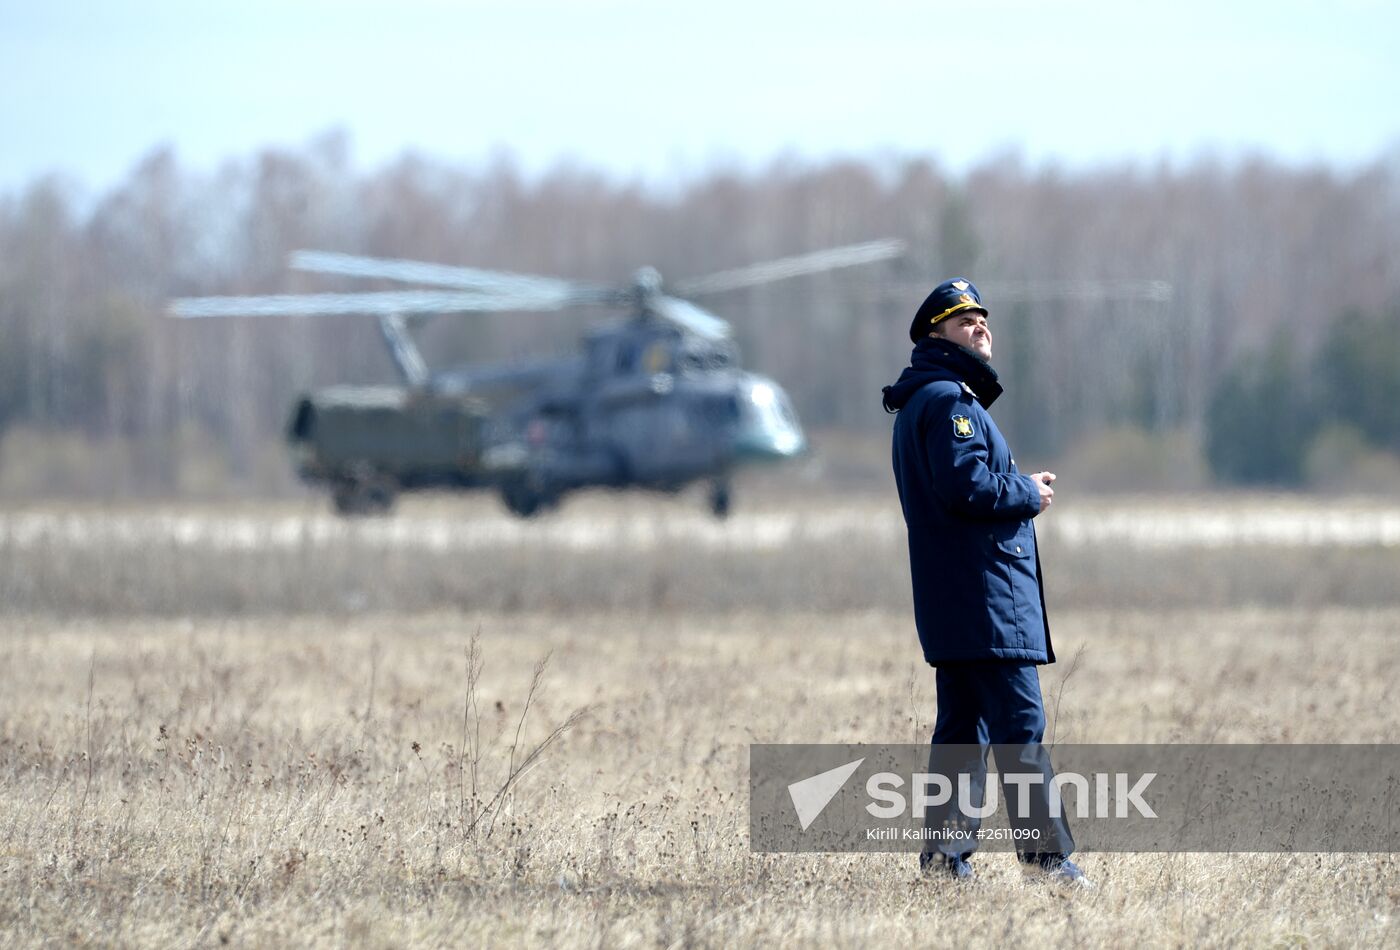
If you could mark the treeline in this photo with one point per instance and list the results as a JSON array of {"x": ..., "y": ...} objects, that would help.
[
  {"x": 1275, "y": 359},
  {"x": 1329, "y": 419}
]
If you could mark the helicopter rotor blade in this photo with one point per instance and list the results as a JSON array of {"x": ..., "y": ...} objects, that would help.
[
  {"x": 440, "y": 275},
  {"x": 830, "y": 259},
  {"x": 377, "y": 304},
  {"x": 698, "y": 321}
]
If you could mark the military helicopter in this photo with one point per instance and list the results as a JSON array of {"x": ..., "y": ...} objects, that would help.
[{"x": 657, "y": 400}]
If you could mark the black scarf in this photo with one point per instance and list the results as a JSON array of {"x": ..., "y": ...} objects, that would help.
[{"x": 936, "y": 358}]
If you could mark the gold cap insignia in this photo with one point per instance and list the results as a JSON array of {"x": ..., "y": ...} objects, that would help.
[
  {"x": 966, "y": 298},
  {"x": 959, "y": 285},
  {"x": 962, "y": 427}
]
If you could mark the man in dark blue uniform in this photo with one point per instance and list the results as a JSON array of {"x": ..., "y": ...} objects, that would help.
[{"x": 979, "y": 604}]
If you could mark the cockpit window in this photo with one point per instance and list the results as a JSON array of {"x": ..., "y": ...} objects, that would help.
[{"x": 701, "y": 356}]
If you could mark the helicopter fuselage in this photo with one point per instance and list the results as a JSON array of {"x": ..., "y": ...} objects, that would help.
[
  {"x": 656, "y": 401},
  {"x": 644, "y": 406}
]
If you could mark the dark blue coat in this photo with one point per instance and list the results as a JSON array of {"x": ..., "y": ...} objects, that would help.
[{"x": 972, "y": 552}]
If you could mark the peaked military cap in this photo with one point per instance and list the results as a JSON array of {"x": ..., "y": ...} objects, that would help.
[{"x": 948, "y": 298}]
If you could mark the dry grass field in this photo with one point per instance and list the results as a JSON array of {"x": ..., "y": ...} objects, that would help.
[{"x": 275, "y": 771}]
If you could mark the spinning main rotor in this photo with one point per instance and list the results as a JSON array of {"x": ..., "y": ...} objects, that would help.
[{"x": 469, "y": 290}]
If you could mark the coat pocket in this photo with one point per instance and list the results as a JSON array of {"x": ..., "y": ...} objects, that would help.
[
  {"x": 1014, "y": 543},
  {"x": 1016, "y": 547}
]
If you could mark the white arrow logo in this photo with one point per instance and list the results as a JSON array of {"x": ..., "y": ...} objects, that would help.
[{"x": 811, "y": 795}]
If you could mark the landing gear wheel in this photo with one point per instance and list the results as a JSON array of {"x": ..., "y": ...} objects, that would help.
[
  {"x": 719, "y": 499},
  {"x": 381, "y": 499},
  {"x": 525, "y": 499},
  {"x": 520, "y": 501}
]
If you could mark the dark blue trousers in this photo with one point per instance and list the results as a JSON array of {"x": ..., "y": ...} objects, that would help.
[
  {"x": 986, "y": 705},
  {"x": 991, "y": 701}
]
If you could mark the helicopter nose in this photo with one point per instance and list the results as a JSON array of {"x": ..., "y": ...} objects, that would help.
[{"x": 770, "y": 431}]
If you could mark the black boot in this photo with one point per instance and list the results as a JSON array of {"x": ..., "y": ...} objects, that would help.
[{"x": 955, "y": 866}]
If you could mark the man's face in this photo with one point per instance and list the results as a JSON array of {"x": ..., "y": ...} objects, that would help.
[{"x": 968, "y": 329}]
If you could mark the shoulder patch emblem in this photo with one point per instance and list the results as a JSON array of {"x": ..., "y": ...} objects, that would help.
[{"x": 962, "y": 427}]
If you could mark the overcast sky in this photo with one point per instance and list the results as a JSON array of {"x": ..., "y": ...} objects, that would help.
[{"x": 662, "y": 89}]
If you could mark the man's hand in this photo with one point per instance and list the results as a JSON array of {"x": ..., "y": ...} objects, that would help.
[{"x": 1047, "y": 494}]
